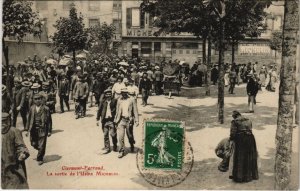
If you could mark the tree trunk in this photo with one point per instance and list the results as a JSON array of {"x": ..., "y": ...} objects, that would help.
[
  {"x": 208, "y": 73},
  {"x": 221, "y": 73},
  {"x": 5, "y": 52},
  {"x": 275, "y": 56},
  {"x": 204, "y": 50},
  {"x": 74, "y": 58},
  {"x": 232, "y": 52},
  {"x": 286, "y": 97}
]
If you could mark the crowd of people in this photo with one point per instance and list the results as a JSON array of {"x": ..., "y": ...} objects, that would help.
[{"x": 112, "y": 84}]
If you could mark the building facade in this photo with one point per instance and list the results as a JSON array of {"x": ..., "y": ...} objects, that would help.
[{"x": 136, "y": 33}]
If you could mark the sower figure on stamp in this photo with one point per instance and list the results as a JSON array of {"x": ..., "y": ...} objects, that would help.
[
  {"x": 14, "y": 154},
  {"x": 39, "y": 126},
  {"x": 107, "y": 112},
  {"x": 126, "y": 112}
]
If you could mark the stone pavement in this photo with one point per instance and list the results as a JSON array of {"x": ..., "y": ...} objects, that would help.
[{"x": 76, "y": 143}]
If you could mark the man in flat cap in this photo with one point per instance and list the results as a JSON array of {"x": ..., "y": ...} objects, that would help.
[
  {"x": 107, "y": 112},
  {"x": 14, "y": 154},
  {"x": 39, "y": 126},
  {"x": 126, "y": 113}
]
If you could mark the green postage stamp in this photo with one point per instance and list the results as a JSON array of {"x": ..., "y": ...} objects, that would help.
[{"x": 164, "y": 145}]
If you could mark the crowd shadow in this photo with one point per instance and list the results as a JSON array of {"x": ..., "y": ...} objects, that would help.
[
  {"x": 51, "y": 158},
  {"x": 205, "y": 175},
  {"x": 202, "y": 116}
]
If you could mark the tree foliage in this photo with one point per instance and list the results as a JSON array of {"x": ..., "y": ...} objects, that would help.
[
  {"x": 70, "y": 33},
  {"x": 19, "y": 19},
  {"x": 275, "y": 42},
  {"x": 101, "y": 36}
]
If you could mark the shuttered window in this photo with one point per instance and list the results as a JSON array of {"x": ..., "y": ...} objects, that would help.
[{"x": 128, "y": 17}]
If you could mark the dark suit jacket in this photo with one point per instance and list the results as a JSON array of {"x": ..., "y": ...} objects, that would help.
[
  {"x": 103, "y": 107},
  {"x": 64, "y": 87},
  {"x": 46, "y": 116}
]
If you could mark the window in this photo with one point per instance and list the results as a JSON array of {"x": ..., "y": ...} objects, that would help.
[
  {"x": 146, "y": 47},
  {"x": 41, "y": 5},
  {"x": 142, "y": 19},
  {"x": 94, "y": 5},
  {"x": 194, "y": 51},
  {"x": 117, "y": 24},
  {"x": 67, "y": 4},
  {"x": 128, "y": 17},
  {"x": 277, "y": 23},
  {"x": 93, "y": 22},
  {"x": 135, "y": 22},
  {"x": 117, "y": 5},
  {"x": 174, "y": 51},
  {"x": 180, "y": 51},
  {"x": 157, "y": 46},
  {"x": 188, "y": 51}
]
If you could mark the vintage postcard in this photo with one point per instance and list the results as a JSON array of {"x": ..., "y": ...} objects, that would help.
[{"x": 150, "y": 94}]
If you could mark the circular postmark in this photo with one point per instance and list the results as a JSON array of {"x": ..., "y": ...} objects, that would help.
[{"x": 164, "y": 177}]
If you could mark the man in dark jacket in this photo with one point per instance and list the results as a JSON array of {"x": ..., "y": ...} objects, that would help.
[
  {"x": 145, "y": 87},
  {"x": 14, "y": 154},
  {"x": 98, "y": 87},
  {"x": 81, "y": 92},
  {"x": 39, "y": 126},
  {"x": 7, "y": 106},
  {"x": 21, "y": 101},
  {"x": 107, "y": 112},
  {"x": 252, "y": 89},
  {"x": 63, "y": 92}
]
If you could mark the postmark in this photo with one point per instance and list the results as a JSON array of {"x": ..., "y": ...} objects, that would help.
[{"x": 166, "y": 158}]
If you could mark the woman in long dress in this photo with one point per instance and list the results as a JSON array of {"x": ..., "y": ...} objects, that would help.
[{"x": 245, "y": 154}]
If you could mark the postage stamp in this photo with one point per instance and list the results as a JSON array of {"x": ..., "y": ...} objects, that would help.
[
  {"x": 164, "y": 144},
  {"x": 167, "y": 157}
]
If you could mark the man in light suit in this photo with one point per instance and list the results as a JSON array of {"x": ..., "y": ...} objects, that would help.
[{"x": 126, "y": 113}]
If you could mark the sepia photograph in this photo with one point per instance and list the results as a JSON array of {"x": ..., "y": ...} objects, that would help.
[{"x": 150, "y": 94}]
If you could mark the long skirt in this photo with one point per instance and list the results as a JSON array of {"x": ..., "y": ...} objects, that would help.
[{"x": 245, "y": 158}]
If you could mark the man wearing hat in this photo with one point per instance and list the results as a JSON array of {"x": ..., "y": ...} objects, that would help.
[
  {"x": 214, "y": 74},
  {"x": 39, "y": 126},
  {"x": 107, "y": 111},
  {"x": 133, "y": 90},
  {"x": 145, "y": 87},
  {"x": 158, "y": 77},
  {"x": 21, "y": 95},
  {"x": 99, "y": 86},
  {"x": 35, "y": 89},
  {"x": 14, "y": 154},
  {"x": 81, "y": 92},
  {"x": 116, "y": 89},
  {"x": 63, "y": 92},
  {"x": 126, "y": 113},
  {"x": 49, "y": 97}
]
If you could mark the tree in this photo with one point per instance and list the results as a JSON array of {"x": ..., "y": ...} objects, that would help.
[
  {"x": 275, "y": 42},
  {"x": 286, "y": 96},
  {"x": 70, "y": 34},
  {"x": 214, "y": 17},
  {"x": 18, "y": 21},
  {"x": 102, "y": 35}
]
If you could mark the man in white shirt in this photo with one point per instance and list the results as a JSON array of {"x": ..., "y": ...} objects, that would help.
[
  {"x": 126, "y": 116},
  {"x": 107, "y": 111},
  {"x": 133, "y": 90},
  {"x": 116, "y": 89}
]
